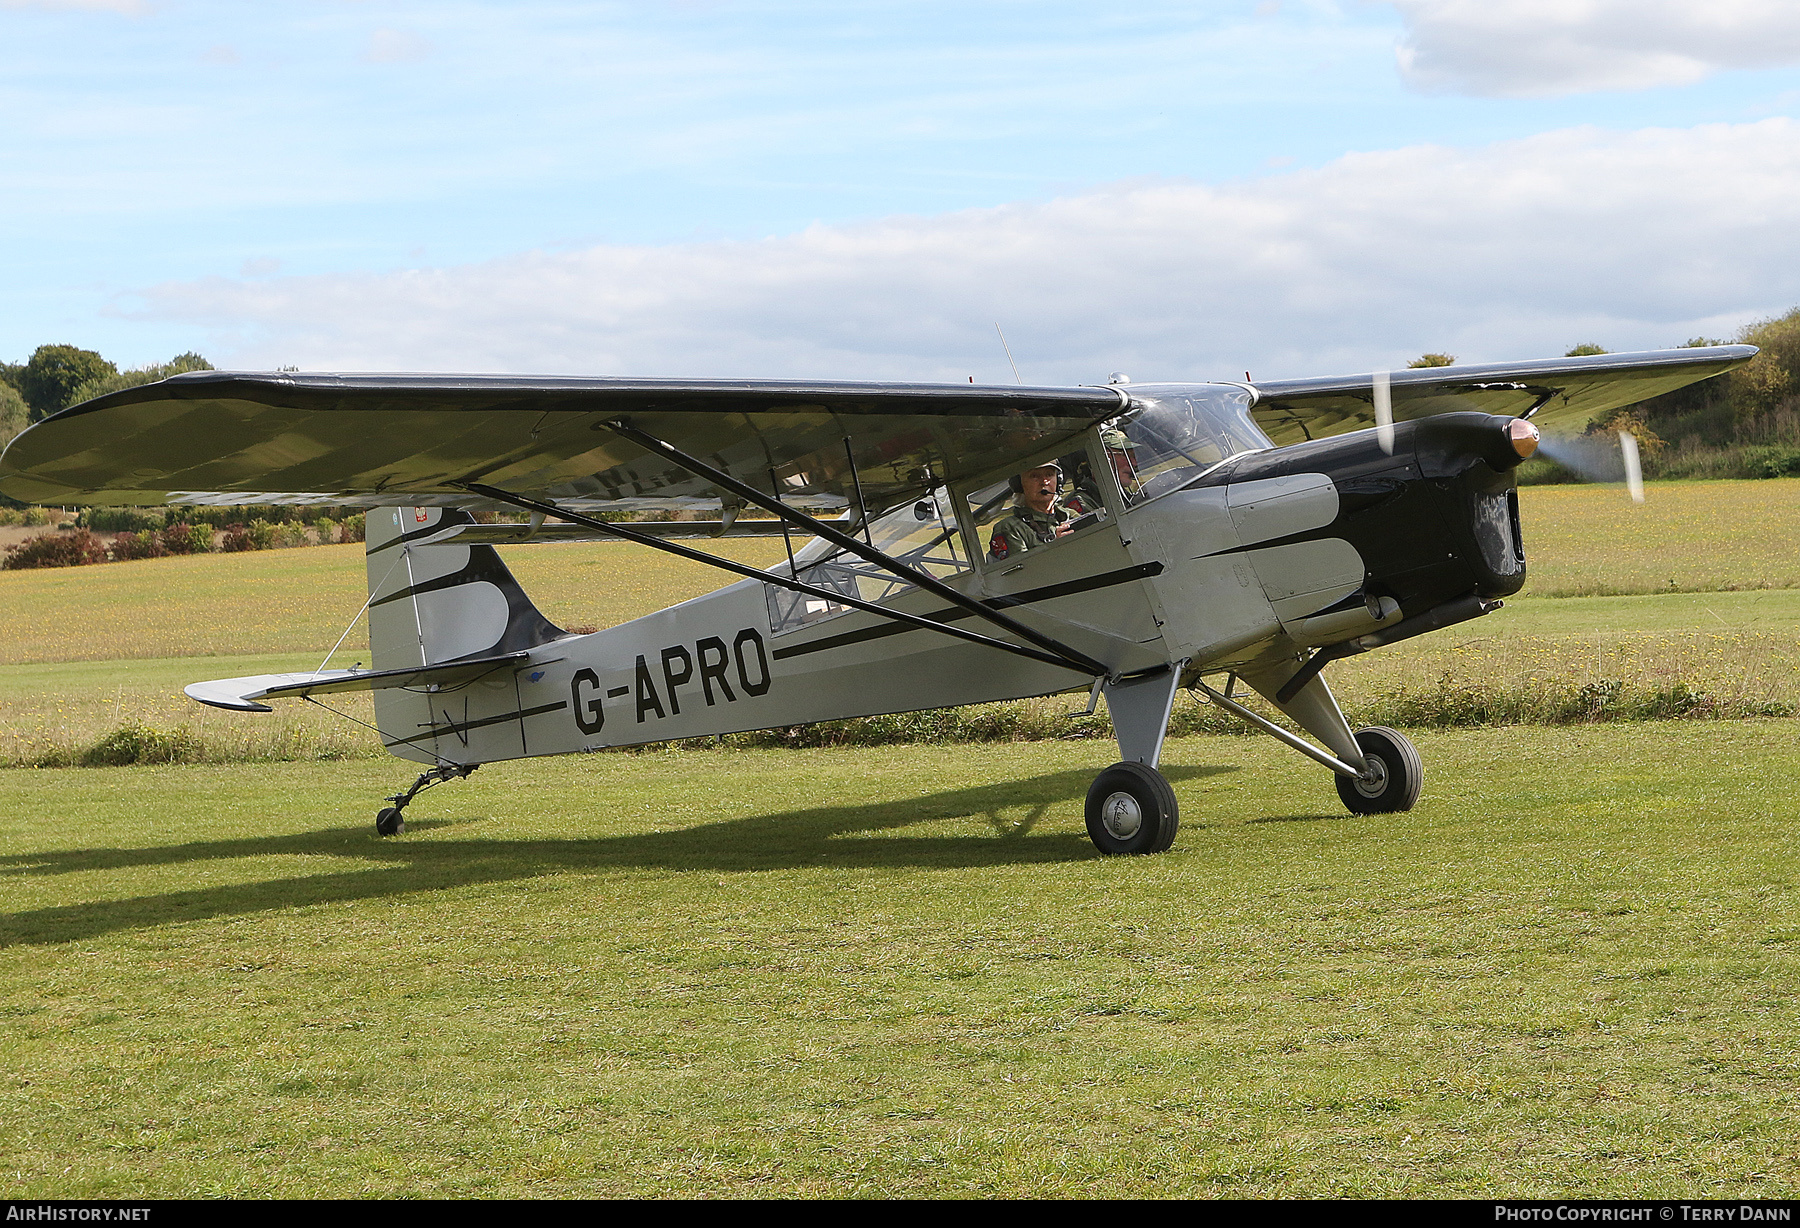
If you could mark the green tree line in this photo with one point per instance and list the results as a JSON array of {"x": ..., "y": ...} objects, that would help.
[{"x": 58, "y": 376}]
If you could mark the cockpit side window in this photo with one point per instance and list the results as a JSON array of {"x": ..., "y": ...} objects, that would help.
[{"x": 1036, "y": 508}]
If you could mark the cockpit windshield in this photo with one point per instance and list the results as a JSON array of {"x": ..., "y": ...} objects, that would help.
[{"x": 1173, "y": 434}]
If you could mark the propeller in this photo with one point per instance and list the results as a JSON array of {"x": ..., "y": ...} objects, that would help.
[
  {"x": 1589, "y": 457},
  {"x": 1594, "y": 459},
  {"x": 1634, "y": 469},
  {"x": 1384, "y": 411}
]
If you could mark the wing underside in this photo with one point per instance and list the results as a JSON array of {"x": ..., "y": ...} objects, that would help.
[
  {"x": 383, "y": 440},
  {"x": 1558, "y": 394},
  {"x": 221, "y": 437}
]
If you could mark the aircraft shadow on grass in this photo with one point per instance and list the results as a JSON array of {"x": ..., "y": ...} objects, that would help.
[{"x": 842, "y": 836}]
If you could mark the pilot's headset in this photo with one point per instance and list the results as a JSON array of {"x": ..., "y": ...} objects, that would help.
[{"x": 1017, "y": 480}]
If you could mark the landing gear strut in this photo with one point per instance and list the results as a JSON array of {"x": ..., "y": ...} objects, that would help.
[{"x": 391, "y": 821}]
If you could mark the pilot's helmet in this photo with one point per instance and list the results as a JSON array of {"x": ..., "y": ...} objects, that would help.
[{"x": 1114, "y": 440}]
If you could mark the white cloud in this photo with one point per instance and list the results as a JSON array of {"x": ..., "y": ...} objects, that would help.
[
  {"x": 1518, "y": 249},
  {"x": 1535, "y": 48}
]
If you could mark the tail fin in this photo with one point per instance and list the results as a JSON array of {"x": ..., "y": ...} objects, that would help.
[{"x": 432, "y": 604}]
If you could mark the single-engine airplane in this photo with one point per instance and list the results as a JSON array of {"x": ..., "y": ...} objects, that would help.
[{"x": 966, "y": 543}]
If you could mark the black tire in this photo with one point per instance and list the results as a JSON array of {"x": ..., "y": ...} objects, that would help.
[
  {"x": 1132, "y": 809},
  {"x": 390, "y": 822},
  {"x": 1398, "y": 774}
]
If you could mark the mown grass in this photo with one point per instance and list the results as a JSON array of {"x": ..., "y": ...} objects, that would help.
[{"x": 1567, "y": 973}]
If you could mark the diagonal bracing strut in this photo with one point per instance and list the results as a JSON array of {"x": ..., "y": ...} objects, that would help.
[
  {"x": 744, "y": 569},
  {"x": 1072, "y": 657}
]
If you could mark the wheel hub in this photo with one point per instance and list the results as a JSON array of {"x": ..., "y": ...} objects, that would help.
[
  {"x": 1374, "y": 780},
  {"x": 1121, "y": 815}
]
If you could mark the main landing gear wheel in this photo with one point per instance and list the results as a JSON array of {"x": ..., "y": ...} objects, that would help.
[
  {"x": 1394, "y": 777},
  {"x": 1131, "y": 809},
  {"x": 390, "y": 822}
]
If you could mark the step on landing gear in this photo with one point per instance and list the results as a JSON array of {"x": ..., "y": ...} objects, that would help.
[{"x": 391, "y": 821}]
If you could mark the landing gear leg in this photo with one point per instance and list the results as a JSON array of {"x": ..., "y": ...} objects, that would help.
[
  {"x": 1131, "y": 807},
  {"x": 391, "y": 821},
  {"x": 1378, "y": 770}
]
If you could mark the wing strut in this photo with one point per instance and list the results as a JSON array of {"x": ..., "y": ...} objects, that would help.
[
  {"x": 744, "y": 569},
  {"x": 1073, "y": 658}
]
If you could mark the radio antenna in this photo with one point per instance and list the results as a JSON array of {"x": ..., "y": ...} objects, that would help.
[{"x": 1009, "y": 357}]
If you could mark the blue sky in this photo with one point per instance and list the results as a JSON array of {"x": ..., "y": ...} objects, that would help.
[{"x": 638, "y": 186}]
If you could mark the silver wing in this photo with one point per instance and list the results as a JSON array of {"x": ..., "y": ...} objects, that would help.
[
  {"x": 1555, "y": 393},
  {"x": 380, "y": 440}
]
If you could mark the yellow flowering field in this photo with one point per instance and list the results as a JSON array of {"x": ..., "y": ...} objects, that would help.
[{"x": 1684, "y": 537}]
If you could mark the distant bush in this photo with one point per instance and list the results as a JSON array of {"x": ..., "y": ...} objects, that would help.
[
  {"x": 257, "y": 535},
  {"x": 136, "y": 743},
  {"x": 34, "y": 517},
  {"x": 145, "y": 545},
  {"x": 75, "y": 549},
  {"x": 187, "y": 539},
  {"x": 1772, "y": 462},
  {"x": 121, "y": 519},
  {"x": 354, "y": 527}
]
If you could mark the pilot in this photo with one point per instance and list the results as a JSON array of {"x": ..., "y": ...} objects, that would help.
[{"x": 1037, "y": 518}]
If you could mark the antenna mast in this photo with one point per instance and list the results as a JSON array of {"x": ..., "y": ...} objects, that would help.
[{"x": 1009, "y": 357}]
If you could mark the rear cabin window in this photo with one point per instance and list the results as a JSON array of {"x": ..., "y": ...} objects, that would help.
[{"x": 922, "y": 535}]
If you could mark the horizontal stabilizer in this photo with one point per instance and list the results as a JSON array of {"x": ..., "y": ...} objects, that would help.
[{"x": 243, "y": 694}]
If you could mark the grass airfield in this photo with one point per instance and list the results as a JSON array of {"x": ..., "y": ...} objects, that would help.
[
  {"x": 1568, "y": 973},
  {"x": 903, "y": 970}
]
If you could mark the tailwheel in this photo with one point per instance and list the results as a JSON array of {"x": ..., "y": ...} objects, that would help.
[
  {"x": 391, "y": 820},
  {"x": 1131, "y": 809},
  {"x": 1394, "y": 776}
]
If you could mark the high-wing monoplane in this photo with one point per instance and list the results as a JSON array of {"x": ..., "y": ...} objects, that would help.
[{"x": 947, "y": 544}]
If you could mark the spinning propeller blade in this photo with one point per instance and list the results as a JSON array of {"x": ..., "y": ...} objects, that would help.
[
  {"x": 1384, "y": 411},
  {"x": 1634, "y": 469}
]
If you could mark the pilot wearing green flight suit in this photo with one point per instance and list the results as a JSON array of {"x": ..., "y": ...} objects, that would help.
[{"x": 1037, "y": 517}]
